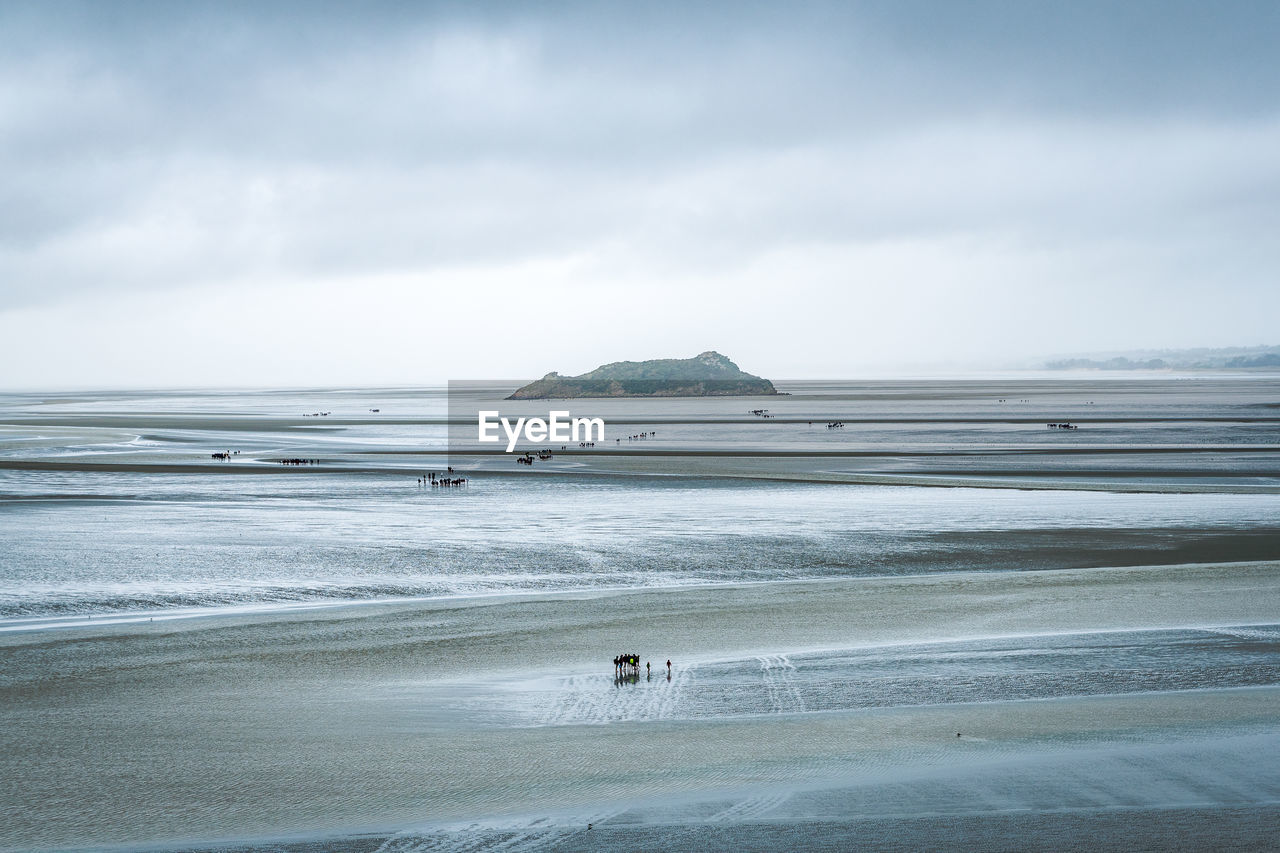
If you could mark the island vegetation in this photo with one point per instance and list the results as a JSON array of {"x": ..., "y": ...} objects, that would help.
[{"x": 708, "y": 374}]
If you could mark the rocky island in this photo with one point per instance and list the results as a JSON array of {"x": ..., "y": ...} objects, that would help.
[{"x": 707, "y": 375}]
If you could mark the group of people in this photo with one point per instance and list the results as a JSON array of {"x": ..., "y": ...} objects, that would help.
[
  {"x": 225, "y": 455},
  {"x": 299, "y": 461},
  {"x": 640, "y": 436},
  {"x": 1062, "y": 426},
  {"x": 629, "y": 664},
  {"x": 528, "y": 457},
  {"x": 835, "y": 425},
  {"x": 761, "y": 413},
  {"x": 447, "y": 480}
]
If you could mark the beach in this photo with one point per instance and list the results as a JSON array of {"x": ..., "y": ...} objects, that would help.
[
  {"x": 373, "y": 715},
  {"x": 929, "y": 634}
]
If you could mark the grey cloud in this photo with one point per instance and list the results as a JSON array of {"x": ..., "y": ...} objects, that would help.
[{"x": 160, "y": 145}]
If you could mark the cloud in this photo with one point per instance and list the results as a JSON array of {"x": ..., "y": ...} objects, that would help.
[{"x": 942, "y": 151}]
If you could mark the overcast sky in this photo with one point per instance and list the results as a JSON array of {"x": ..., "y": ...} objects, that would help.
[{"x": 271, "y": 193}]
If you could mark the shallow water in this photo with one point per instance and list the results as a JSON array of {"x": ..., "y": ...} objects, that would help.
[
  {"x": 980, "y": 670},
  {"x": 101, "y": 542}
]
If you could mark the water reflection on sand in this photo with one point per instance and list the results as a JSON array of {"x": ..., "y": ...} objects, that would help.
[{"x": 943, "y": 625}]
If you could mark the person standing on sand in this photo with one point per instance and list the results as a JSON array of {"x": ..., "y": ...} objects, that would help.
[{"x": 668, "y": 667}]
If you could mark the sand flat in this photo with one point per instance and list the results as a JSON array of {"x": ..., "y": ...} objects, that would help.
[
  {"x": 196, "y": 653},
  {"x": 368, "y": 715}
]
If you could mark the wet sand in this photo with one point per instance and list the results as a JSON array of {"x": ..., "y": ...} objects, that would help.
[
  {"x": 364, "y": 718},
  {"x": 1181, "y": 434},
  {"x": 197, "y": 653}
]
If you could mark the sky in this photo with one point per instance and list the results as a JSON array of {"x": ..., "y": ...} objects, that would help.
[{"x": 247, "y": 194}]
